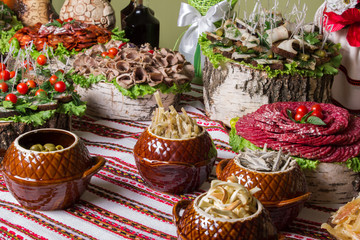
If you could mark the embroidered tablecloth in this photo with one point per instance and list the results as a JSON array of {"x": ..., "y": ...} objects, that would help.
[{"x": 118, "y": 204}]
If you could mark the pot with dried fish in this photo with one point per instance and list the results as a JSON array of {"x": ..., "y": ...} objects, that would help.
[
  {"x": 227, "y": 211},
  {"x": 282, "y": 183},
  {"x": 250, "y": 63},
  {"x": 118, "y": 80},
  {"x": 174, "y": 154}
]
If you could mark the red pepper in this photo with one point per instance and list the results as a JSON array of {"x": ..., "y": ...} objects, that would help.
[{"x": 122, "y": 45}]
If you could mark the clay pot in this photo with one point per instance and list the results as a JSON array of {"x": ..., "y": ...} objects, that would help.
[
  {"x": 282, "y": 193},
  {"x": 30, "y": 12},
  {"x": 196, "y": 224},
  {"x": 172, "y": 165},
  {"x": 48, "y": 180}
]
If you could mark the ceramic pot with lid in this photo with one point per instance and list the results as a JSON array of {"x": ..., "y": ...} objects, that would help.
[
  {"x": 174, "y": 165},
  {"x": 48, "y": 180},
  {"x": 195, "y": 223},
  {"x": 283, "y": 193}
]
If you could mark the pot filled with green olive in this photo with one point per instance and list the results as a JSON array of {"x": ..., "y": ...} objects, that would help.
[{"x": 48, "y": 169}]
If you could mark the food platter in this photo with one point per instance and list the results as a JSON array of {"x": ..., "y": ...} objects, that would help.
[{"x": 124, "y": 142}]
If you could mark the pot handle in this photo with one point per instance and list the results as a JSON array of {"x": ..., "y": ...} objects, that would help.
[
  {"x": 100, "y": 162},
  {"x": 220, "y": 167},
  {"x": 286, "y": 202},
  {"x": 182, "y": 204}
]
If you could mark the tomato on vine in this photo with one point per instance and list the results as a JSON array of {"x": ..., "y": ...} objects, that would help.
[
  {"x": 22, "y": 88},
  {"x": 41, "y": 60},
  {"x": 302, "y": 109},
  {"x": 60, "y": 86},
  {"x": 2, "y": 66},
  {"x": 4, "y": 75},
  {"x": 113, "y": 51},
  {"x": 316, "y": 107},
  {"x": 53, "y": 79},
  {"x": 31, "y": 84},
  {"x": 12, "y": 74},
  {"x": 318, "y": 114},
  {"x": 4, "y": 87},
  {"x": 11, "y": 97},
  {"x": 40, "y": 91}
]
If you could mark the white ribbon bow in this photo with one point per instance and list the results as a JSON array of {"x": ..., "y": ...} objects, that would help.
[{"x": 188, "y": 15}]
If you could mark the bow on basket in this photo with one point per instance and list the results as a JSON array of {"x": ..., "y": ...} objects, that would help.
[{"x": 189, "y": 15}]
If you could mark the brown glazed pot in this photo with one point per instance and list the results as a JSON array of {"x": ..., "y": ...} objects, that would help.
[
  {"x": 282, "y": 193},
  {"x": 174, "y": 165},
  {"x": 48, "y": 180},
  {"x": 196, "y": 224}
]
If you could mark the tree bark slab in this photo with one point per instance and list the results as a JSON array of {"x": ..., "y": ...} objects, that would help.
[
  {"x": 104, "y": 100},
  {"x": 234, "y": 90},
  {"x": 11, "y": 130}
]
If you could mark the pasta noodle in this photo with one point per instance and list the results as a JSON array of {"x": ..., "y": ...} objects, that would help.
[
  {"x": 172, "y": 125},
  {"x": 229, "y": 200}
]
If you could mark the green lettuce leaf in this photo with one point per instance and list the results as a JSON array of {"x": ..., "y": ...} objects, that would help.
[
  {"x": 138, "y": 90},
  {"x": 36, "y": 119},
  {"x": 7, "y": 35},
  {"x": 238, "y": 143},
  {"x": 71, "y": 108},
  {"x": 291, "y": 69},
  {"x": 118, "y": 35}
]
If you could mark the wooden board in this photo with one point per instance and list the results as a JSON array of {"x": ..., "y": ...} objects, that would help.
[
  {"x": 332, "y": 183},
  {"x": 105, "y": 100},
  {"x": 235, "y": 90}
]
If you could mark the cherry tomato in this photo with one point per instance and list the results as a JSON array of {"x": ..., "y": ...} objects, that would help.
[
  {"x": 11, "y": 97},
  {"x": 60, "y": 86},
  {"x": 60, "y": 21},
  {"x": 41, "y": 60},
  {"x": 4, "y": 75},
  {"x": 38, "y": 92},
  {"x": 299, "y": 116},
  {"x": 22, "y": 88},
  {"x": 31, "y": 84},
  {"x": 302, "y": 109},
  {"x": 151, "y": 51},
  {"x": 60, "y": 70},
  {"x": 111, "y": 55},
  {"x": 4, "y": 87},
  {"x": 12, "y": 74},
  {"x": 121, "y": 45},
  {"x": 53, "y": 79},
  {"x": 68, "y": 20},
  {"x": 318, "y": 114},
  {"x": 2, "y": 66},
  {"x": 104, "y": 54},
  {"x": 113, "y": 51},
  {"x": 316, "y": 107}
]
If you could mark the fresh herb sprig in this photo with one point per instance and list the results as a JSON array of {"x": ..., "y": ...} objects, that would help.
[{"x": 307, "y": 118}]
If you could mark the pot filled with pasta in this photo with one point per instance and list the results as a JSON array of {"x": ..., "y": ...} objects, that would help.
[
  {"x": 227, "y": 211},
  {"x": 174, "y": 154}
]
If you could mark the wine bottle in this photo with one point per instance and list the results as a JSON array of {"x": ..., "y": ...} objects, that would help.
[
  {"x": 142, "y": 26},
  {"x": 126, "y": 12}
]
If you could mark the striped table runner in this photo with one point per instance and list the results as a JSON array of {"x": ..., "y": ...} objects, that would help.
[{"x": 118, "y": 204}]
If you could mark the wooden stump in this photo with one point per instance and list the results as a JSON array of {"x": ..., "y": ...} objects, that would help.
[
  {"x": 105, "y": 100},
  {"x": 235, "y": 90},
  {"x": 11, "y": 130},
  {"x": 332, "y": 183}
]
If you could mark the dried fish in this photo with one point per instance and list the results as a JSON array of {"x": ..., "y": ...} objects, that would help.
[{"x": 263, "y": 160}]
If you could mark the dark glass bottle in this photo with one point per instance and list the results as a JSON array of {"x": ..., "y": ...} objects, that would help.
[
  {"x": 142, "y": 27},
  {"x": 126, "y": 12}
]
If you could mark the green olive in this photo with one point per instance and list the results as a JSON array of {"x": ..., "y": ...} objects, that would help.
[
  {"x": 227, "y": 42},
  {"x": 304, "y": 57},
  {"x": 49, "y": 146},
  {"x": 270, "y": 54},
  {"x": 244, "y": 49},
  {"x": 219, "y": 32},
  {"x": 320, "y": 53},
  {"x": 59, "y": 147},
  {"x": 36, "y": 147}
]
